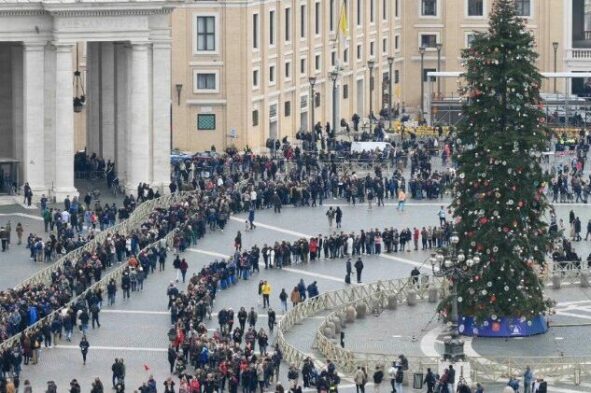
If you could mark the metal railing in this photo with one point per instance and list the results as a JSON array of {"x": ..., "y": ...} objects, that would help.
[
  {"x": 114, "y": 274},
  {"x": 134, "y": 222},
  {"x": 378, "y": 295},
  {"x": 337, "y": 299},
  {"x": 137, "y": 217}
]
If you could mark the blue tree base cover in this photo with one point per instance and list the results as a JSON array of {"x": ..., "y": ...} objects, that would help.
[{"x": 503, "y": 327}]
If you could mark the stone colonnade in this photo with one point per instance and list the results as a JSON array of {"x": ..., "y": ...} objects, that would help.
[{"x": 127, "y": 83}]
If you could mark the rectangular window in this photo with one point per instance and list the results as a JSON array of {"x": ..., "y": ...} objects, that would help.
[
  {"x": 303, "y": 21},
  {"x": 358, "y": 52},
  {"x": 255, "y": 31},
  {"x": 359, "y": 11},
  {"x": 331, "y": 17},
  {"x": 523, "y": 7},
  {"x": 287, "y": 24},
  {"x": 206, "y": 33},
  {"x": 346, "y": 56},
  {"x": 384, "y": 45},
  {"x": 317, "y": 99},
  {"x": 475, "y": 7},
  {"x": 396, "y": 76},
  {"x": 255, "y": 78},
  {"x": 273, "y": 111},
  {"x": 288, "y": 70},
  {"x": 317, "y": 18},
  {"x": 396, "y": 7},
  {"x": 372, "y": 6},
  {"x": 255, "y": 118},
  {"x": 397, "y": 42},
  {"x": 470, "y": 39},
  {"x": 271, "y": 28},
  {"x": 428, "y": 7},
  {"x": 384, "y": 9},
  {"x": 333, "y": 58},
  {"x": 345, "y": 92},
  {"x": 302, "y": 66},
  {"x": 425, "y": 76},
  {"x": 206, "y": 122},
  {"x": 317, "y": 62},
  {"x": 287, "y": 108},
  {"x": 372, "y": 49},
  {"x": 271, "y": 74},
  {"x": 304, "y": 101},
  {"x": 206, "y": 81},
  {"x": 429, "y": 40}
]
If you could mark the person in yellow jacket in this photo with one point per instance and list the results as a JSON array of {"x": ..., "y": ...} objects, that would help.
[{"x": 266, "y": 290}]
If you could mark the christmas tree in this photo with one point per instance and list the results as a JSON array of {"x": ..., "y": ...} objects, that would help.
[{"x": 498, "y": 199}]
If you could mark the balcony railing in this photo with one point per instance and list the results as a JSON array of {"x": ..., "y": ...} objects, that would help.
[{"x": 579, "y": 54}]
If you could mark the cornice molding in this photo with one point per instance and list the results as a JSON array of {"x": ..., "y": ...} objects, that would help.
[{"x": 90, "y": 9}]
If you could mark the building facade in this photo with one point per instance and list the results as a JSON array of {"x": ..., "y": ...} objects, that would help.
[{"x": 241, "y": 68}]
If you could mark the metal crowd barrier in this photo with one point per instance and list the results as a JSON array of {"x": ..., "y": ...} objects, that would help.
[
  {"x": 568, "y": 369},
  {"x": 114, "y": 274},
  {"x": 137, "y": 217}
]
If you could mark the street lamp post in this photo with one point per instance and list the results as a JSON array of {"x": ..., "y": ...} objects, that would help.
[
  {"x": 555, "y": 46},
  {"x": 370, "y": 64},
  {"x": 439, "y": 46},
  {"x": 422, "y": 52},
  {"x": 312, "y": 81},
  {"x": 333, "y": 76},
  {"x": 390, "y": 78},
  {"x": 450, "y": 264}
]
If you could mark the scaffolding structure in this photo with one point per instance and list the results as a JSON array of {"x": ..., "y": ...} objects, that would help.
[{"x": 563, "y": 109}]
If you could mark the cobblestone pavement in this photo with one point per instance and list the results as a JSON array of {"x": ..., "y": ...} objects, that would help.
[{"x": 136, "y": 329}]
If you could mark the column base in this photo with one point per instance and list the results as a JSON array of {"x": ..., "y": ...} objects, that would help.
[{"x": 59, "y": 194}]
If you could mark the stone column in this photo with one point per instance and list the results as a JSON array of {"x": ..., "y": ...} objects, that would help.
[
  {"x": 161, "y": 91},
  {"x": 121, "y": 51},
  {"x": 107, "y": 92},
  {"x": 93, "y": 105},
  {"x": 138, "y": 134},
  {"x": 33, "y": 117},
  {"x": 16, "y": 55},
  {"x": 64, "y": 123}
]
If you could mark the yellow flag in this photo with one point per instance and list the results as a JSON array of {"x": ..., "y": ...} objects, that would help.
[{"x": 343, "y": 25}]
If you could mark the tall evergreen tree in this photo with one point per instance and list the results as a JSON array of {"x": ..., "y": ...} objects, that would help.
[{"x": 499, "y": 203}]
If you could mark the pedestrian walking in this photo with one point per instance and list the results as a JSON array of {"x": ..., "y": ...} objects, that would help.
[
  {"x": 251, "y": 211},
  {"x": 430, "y": 381},
  {"x": 28, "y": 193},
  {"x": 84, "y": 345},
  {"x": 441, "y": 215},
  {"x": 266, "y": 291},
  {"x": 283, "y": 299},
  {"x": 528, "y": 379},
  {"x": 330, "y": 214},
  {"x": 378, "y": 378},
  {"x": 360, "y": 379},
  {"x": 19, "y": 233},
  {"x": 359, "y": 268},
  {"x": 183, "y": 267},
  {"x": 4, "y": 238},
  {"x": 401, "y": 200},
  {"x": 339, "y": 216}
]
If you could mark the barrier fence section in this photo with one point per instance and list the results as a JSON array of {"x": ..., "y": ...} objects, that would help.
[
  {"x": 387, "y": 294},
  {"x": 137, "y": 217},
  {"x": 123, "y": 228}
]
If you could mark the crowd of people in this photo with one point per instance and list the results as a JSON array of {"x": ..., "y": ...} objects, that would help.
[
  {"x": 24, "y": 306},
  {"x": 237, "y": 355}
]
